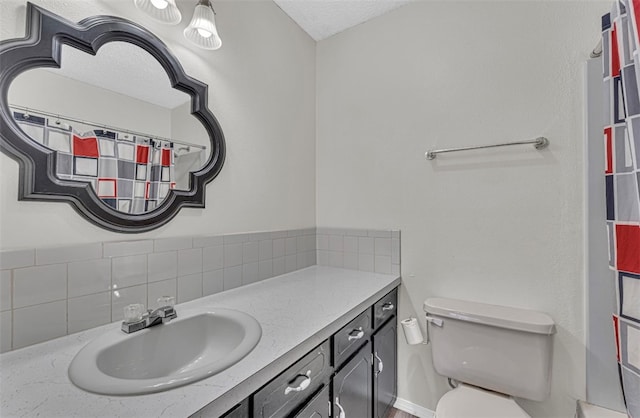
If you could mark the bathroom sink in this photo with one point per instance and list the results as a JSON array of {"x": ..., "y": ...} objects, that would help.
[{"x": 194, "y": 346}]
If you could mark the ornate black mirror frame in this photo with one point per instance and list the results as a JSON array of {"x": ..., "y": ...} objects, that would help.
[{"x": 46, "y": 33}]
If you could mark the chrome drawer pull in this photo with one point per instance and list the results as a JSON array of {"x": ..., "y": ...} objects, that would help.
[
  {"x": 356, "y": 334},
  {"x": 302, "y": 386},
  {"x": 380, "y": 365},
  {"x": 341, "y": 414},
  {"x": 388, "y": 306}
]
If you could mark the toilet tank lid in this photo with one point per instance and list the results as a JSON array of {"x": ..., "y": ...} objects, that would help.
[{"x": 493, "y": 315}]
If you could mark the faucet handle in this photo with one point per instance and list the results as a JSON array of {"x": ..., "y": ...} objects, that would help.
[
  {"x": 164, "y": 301},
  {"x": 133, "y": 312}
]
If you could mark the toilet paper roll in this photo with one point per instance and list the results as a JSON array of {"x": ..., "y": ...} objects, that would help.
[{"x": 412, "y": 332}]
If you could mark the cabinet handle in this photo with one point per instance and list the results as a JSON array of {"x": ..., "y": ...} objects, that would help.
[
  {"x": 341, "y": 414},
  {"x": 302, "y": 386},
  {"x": 356, "y": 334},
  {"x": 388, "y": 306},
  {"x": 380, "y": 364}
]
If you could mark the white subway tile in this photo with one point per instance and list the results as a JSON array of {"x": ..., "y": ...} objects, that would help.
[
  {"x": 278, "y": 266},
  {"x": 301, "y": 260},
  {"x": 336, "y": 243},
  {"x": 278, "y": 247},
  {"x": 87, "y": 277},
  {"x": 301, "y": 244},
  {"x": 290, "y": 263},
  {"x": 207, "y": 241},
  {"x": 322, "y": 242},
  {"x": 290, "y": 246},
  {"x": 250, "y": 273},
  {"x": 356, "y": 232},
  {"x": 395, "y": 269},
  {"x": 383, "y": 264},
  {"x": 235, "y": 238},
  {"x": 162, "y": 266},
  {"x": 212, "y": 258},
  {"x": 251, "y": 252},
  {"x": 89, "y": 311},
  {"x": 323, "y": 258},
  {"x": 189, "y": 287},
  {"x": 161, "y": 288},
  {"x": 232, "y": 277},
  {"x": 13, "y": 259},
  {"x": 189, "y": 261},
  {"x": 265, "y": 269},
  {"x": 266, "y": 250},
  {"x": 383, "y": 246},
  {"x": 365, "y": 245},
  {"x": 123, "y": 297},
  {"x": 212, "y": 282},
  {"x": 172, "y": 244},
  {"x": 336, "y": 259},
  {"x": 232, "y": 255},
  {"x": 376, "y": 233},
  {"x": 5, "y": 290},
  {"x": 311, "y": 258},
  {"x": 126, "y": 248},
  {"x": 35, "y": 285},
  {"x": 67, "y": 254},
  {"x": 5, "y": 331},
  {"x": 278, "y": 234},
  {"x": 365, "y": 262},
  {"x": 39, "y": 323},
  {"x": 351, "y": 244},
  {"x": 128, "y": 271},
  {"x": 395, "y": 251},
  {"x": 311, "y": 242},
  {"x": 351, "y": 261}
]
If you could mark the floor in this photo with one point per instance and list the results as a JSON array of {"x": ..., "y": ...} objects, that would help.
[{"x": 396, "y": 413}]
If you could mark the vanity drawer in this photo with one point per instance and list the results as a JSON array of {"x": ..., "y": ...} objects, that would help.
[
  {"x": 351, "y": 337},
  {"x": 385, "y": 308},
  {"x": 291, "y": 388},
  {"x": 239, "y": 411}
]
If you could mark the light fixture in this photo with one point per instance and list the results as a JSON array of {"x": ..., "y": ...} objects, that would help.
[
  {"x": 202, "y": 30},
  {"x": 164, "y": 11}
]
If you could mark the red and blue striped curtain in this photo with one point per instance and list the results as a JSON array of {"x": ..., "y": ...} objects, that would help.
[{"x": 621, "y": 71}]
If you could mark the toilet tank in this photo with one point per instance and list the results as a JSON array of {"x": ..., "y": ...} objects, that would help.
[{"x": 505, "y": 349}]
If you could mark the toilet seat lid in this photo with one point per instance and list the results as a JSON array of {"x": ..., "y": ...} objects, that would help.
[{"x": 469, "y": 402}]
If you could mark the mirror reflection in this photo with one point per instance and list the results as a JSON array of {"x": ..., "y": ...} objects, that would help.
[{"x": 115, "y": 122}]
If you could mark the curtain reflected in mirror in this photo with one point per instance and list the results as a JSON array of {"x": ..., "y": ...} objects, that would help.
[{"x": 115, "y": 122}]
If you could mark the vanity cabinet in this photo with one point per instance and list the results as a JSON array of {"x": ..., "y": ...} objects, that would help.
[
  {"x": 353, "y": 388},
  {"x": 318, "y": 407},
  {"x": 353, "y": 374},
  {"x": 385, "y": 366}
]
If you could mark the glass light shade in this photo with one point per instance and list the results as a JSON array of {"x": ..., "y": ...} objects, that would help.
[
  {"x": 202, "y": 29},
  {"x": 164, "y": 11}
]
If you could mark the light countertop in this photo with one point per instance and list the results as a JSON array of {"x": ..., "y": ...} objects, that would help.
[{"x": 297, "y": 311}]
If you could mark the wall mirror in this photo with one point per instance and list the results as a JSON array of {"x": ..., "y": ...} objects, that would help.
[{"x": 101, "y": 115}]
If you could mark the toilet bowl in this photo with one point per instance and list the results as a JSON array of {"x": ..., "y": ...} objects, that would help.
[
  {"x": 495, "y": 352},
  {"x": 472, "y": 402}
]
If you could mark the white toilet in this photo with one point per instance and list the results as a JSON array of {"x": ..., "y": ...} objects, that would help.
[{"x": 494, "y": 352}]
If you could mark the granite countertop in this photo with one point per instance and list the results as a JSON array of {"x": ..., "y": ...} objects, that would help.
[{"x": 297, "y": 311}]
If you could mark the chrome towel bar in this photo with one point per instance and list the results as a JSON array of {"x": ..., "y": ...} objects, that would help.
[{"x": 538, "y": 143}]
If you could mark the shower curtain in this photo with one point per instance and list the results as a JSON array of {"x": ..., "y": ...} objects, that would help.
[{"x": 621, "y": 72}]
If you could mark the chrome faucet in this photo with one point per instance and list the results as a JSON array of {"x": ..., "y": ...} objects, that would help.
[{"x": 136, "y": 319}]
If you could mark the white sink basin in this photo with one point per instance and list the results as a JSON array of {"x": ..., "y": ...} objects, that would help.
[{"x": 182, "y": 351}]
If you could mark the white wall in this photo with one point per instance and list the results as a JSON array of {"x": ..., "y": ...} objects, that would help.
[
  {"x": 261, "y": 89},
  {"x": 499, "y": 226}
]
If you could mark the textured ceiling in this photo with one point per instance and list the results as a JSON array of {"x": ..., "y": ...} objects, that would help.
[
  {"x": 122, "y": 68},
  {"x": 323, "y": 18}
]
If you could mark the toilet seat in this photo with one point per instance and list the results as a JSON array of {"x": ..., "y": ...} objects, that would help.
[{"x": 471, "y": 402}]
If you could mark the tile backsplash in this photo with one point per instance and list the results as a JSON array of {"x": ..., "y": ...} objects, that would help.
[{"x": 52, "y": 292}]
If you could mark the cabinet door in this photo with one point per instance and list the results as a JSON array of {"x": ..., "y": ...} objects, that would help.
[
  {"x": 239, "y": 411},
  {"x": 385, "y": 368},
  {"x": 352, "y": 386},
  {"x": 318, "y": 407}
]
